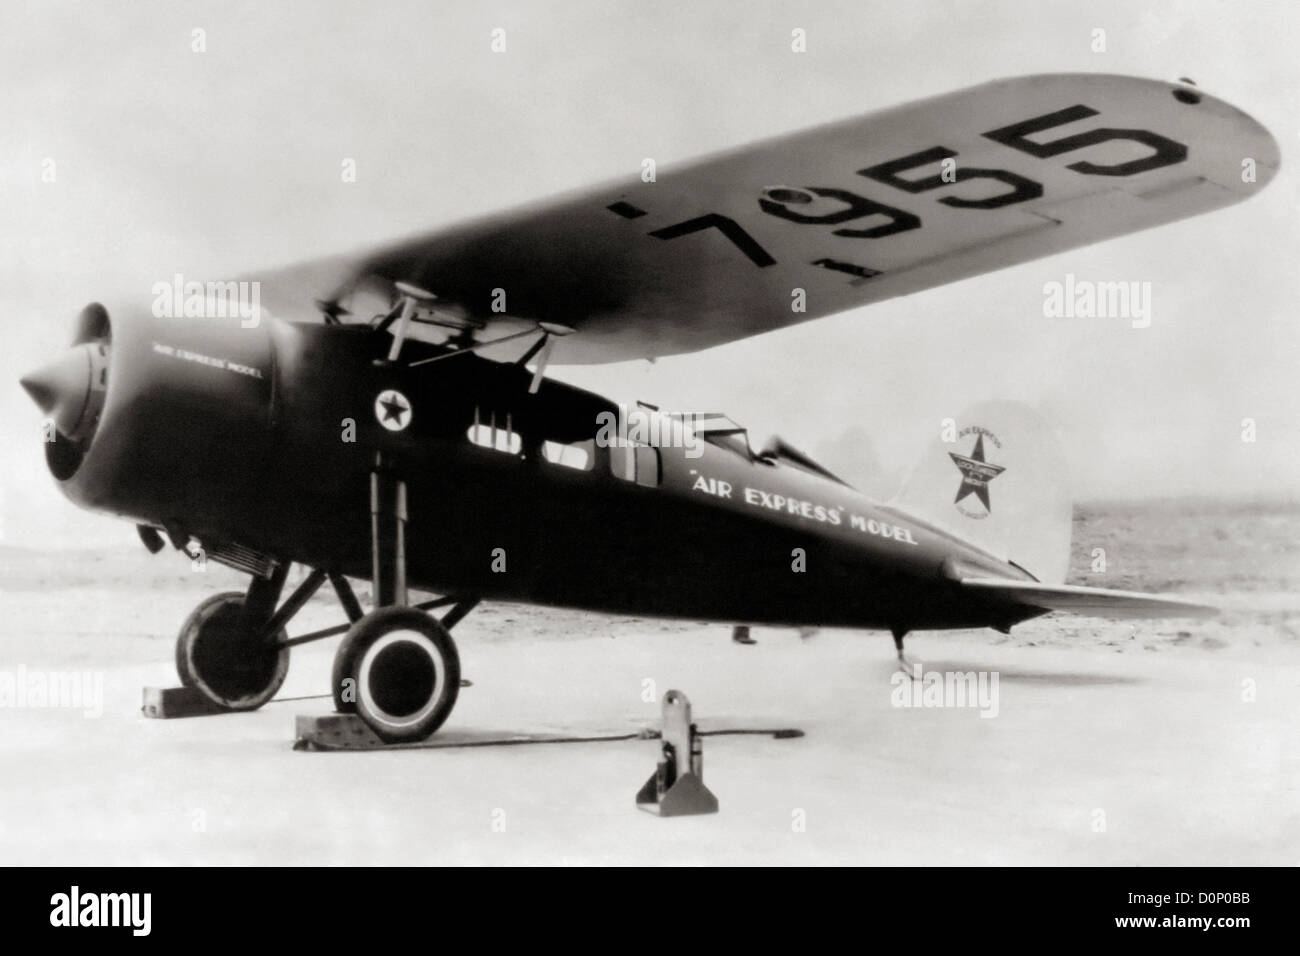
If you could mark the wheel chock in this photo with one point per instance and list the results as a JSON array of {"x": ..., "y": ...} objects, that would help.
[
  {"x": 164, "y": 702},
  {"x": 676, "y": 788}
]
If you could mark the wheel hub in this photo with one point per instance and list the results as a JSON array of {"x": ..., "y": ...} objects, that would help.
[{"x": 403, "y": 677}]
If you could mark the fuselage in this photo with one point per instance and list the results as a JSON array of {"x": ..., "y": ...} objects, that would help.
[{"x": 265, "y": 438}]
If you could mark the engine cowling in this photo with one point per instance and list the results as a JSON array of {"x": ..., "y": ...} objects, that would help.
[{"x": 160, "y": 420}]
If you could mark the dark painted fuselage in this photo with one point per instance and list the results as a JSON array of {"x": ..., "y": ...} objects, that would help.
[{"x": 265, "y": 437}]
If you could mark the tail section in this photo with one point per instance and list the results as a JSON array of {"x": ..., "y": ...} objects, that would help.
[{"x": 994, "y": 476}]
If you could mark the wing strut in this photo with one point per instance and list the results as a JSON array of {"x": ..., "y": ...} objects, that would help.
[
  {"x": 543, "y": 351},
  {"x": 412, "y": 298}
]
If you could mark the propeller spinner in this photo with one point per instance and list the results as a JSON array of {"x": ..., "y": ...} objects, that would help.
[{"x": 71, "y": 388}]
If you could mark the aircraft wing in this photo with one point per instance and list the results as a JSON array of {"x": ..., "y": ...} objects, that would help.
[
  {"x": 824, "y": 220},
  {"x": 1091, "y": 602}
]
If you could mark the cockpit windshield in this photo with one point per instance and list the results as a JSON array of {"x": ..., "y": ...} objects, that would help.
[{"x": 720, "y": 430}]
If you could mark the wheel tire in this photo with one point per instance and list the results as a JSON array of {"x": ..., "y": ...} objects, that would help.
[
  {"x": 224, "y": 661},
  {"x": 405, "y": 672},
  {"x": 344, "y": 668}
]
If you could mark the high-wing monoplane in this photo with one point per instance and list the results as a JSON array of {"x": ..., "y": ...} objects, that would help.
[{"x": 387, "y": 416}]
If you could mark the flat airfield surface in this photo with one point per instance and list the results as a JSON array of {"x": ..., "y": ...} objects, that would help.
[{"x": 1113, "y": 743}]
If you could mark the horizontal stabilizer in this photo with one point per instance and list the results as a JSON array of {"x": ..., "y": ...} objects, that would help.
[{"x": 1092, "y": 602}]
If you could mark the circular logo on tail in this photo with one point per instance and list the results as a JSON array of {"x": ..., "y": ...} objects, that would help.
[
  {"x": 976, "y": 473},
  {"x": 393, "y": 410}
]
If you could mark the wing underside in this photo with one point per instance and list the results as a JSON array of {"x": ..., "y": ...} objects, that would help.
[{"x": 823, "y": 220}]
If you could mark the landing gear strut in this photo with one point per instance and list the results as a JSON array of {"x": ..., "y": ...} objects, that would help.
[{"x": 397, "y": 667}]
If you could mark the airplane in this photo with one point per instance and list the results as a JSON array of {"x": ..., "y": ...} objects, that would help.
[{"x": 422, "y": 446}]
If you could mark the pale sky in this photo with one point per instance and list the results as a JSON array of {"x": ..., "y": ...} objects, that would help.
[{"x": 225, "y": 162}]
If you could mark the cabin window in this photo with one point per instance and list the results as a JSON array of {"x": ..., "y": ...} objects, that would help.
[
  {"x": 487, "y": 432},
  {"x": 578, "y": 455},
  {"x": 639, "y": 463}
]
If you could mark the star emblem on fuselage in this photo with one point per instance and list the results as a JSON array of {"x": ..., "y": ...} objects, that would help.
[
  {"x": 393, "y": 410},
  {"x": 976, "y": 473}
]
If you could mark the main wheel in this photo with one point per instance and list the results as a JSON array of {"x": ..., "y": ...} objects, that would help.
[
  {"x": 224, "y": 660},
  {"x": 398, "y": 668}
]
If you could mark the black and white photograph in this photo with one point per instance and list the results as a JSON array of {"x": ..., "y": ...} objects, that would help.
[{"x": 607, "y": 434}]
